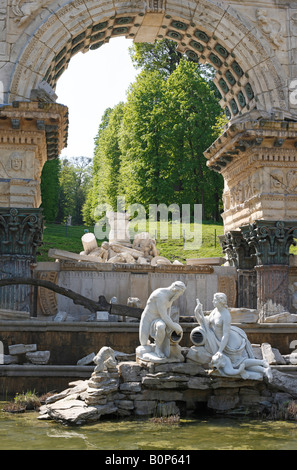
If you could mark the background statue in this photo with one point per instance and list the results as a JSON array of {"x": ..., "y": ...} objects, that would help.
[
  {"x": 157, "y": 323},
  {"x": 223, "y": 347}
]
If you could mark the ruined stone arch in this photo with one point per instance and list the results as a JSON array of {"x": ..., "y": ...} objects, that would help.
[
  {"x": 254, "y": 50},
  {"x": 248, "y": 77}
]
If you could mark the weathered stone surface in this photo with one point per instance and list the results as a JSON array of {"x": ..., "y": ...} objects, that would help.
[
  {"x": 130, "y": 387},
  {"x": 38, "y": 357},
  {"x": 78, "y": 387},
  {"x": 8, "y": 359},
  {"x": 166, "y": 381},
  {"x": 181, "y": 368},
  {"x": 72, "y": 412},
  {"x": 284, "y": 382},
  {"x": 16, "y": 349},
  {"x": 268, "y": 354},
  {"x": 200, "y": 383},
  {"x": 130, "y": 371},
  {"x": 223, "y": 402},
  {"x": 145, "y": 408}
]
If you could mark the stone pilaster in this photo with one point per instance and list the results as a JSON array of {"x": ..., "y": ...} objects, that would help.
[
  {"x": 271, "y": 243},
  {"x": 30, "y": 133},
  {"x": 241, "y": 255},
  {"x": 20, "y": 237},
  {"x": 272, "y": 289}
]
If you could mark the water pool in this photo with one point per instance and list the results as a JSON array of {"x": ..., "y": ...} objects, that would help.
[{"x": 25, "y": 432}]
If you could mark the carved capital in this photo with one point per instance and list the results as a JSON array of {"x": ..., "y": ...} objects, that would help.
[
  {"x": 20, "y": 232},
  {"x": 238, "y": 252},
  {"x": 270, "y": 240}
]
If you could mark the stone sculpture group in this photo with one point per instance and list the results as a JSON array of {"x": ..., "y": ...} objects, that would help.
[
  {"x": 218, "y": 346},
  {"x": 220, "y": 352}
]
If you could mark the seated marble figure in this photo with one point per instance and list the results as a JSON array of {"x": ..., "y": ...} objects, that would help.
[
  {"x": 224, "y": 348},
  {"x": 157, "y": 323}
]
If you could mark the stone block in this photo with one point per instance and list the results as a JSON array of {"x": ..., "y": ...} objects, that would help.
[
  {"x": 200, "y": 383},
  {"x": 130, "y": 371},
  {"x": 223, "y": 402},
  {"x": 61, "y": 316},
  {"x": 102, "y": 316},
  {"x": 16, "y": 349},
  {"x": 38, "y": 357},
  {"x": 8, "y": 359},
  {"x": 130, "y": 387}
]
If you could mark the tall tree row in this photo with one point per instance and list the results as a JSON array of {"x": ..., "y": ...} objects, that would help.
[{"x": 150, "y": 149}]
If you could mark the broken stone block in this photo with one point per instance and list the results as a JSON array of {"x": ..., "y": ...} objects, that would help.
[
  {"x": 16, "y": 349},
  {"x": 272, "y": 355},
  {"x": 8, "y": 359},
  {"x": 38, "y": 357},
  {"x": 102, "y": 316},
  {"x": 61, "y": 316}
]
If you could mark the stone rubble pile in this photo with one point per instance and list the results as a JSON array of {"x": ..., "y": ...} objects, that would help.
[
  {"x": 143, "y": 250},
  {"x": 144, "y": 389},
  {"x": 25, "y": 353}
]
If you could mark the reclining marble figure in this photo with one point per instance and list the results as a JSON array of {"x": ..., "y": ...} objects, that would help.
[
  {"x": 222, "y": 347},
  {"x": 157, "y": 323}
]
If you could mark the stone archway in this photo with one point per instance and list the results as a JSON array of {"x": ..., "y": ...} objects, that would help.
[
  {"x": 254, "y": 53},
  {"x": 208, "y": 31}
]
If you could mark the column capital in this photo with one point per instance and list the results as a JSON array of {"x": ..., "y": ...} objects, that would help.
[{"x": 270, "y": 240}]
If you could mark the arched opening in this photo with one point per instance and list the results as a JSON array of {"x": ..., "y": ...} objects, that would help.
[
  {"x": 92, "y": 83},
  {"x": 241, "y": 59}
]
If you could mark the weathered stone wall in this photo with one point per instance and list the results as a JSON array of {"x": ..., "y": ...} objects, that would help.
[{"x": 140, "y": 281}]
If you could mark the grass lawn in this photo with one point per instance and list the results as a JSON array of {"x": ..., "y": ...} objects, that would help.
[{"x": 172, "y": 247}]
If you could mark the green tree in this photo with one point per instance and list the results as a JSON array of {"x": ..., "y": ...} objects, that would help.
[
  {"x": 167, "y": 125},
  {"x": 143, "y": 162},
  {"x": 161, "y": 56},
  {"x": 106, "y": 163},
  {"x": 50, "y": 189},
  {"x": 74, "y": 180}
]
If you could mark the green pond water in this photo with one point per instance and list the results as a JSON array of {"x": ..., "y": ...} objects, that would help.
[{"x": 23, "y": 431}]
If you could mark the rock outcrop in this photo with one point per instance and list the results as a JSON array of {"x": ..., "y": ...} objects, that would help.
[{"x": 138, "y": 389}]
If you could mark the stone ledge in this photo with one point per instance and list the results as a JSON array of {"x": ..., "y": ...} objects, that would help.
[{"x": 32, "y": 370}]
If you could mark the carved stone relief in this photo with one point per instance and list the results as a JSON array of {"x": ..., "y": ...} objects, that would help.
[
  {"x": 270, "y": 27},
  {"x": 26, "y": 9},
  {"x": 283, "y": 181},
  {"x": 242, "y": 192},
  {"x": 48, "y": 299}
]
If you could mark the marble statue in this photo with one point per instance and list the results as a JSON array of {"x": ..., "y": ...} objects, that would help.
[
  {"x": 222, "y": 347},
  {"x": 157, "y": 323}
]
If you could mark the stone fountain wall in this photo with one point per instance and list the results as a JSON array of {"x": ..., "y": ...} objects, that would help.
[{"x": 124, "y": 281}]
